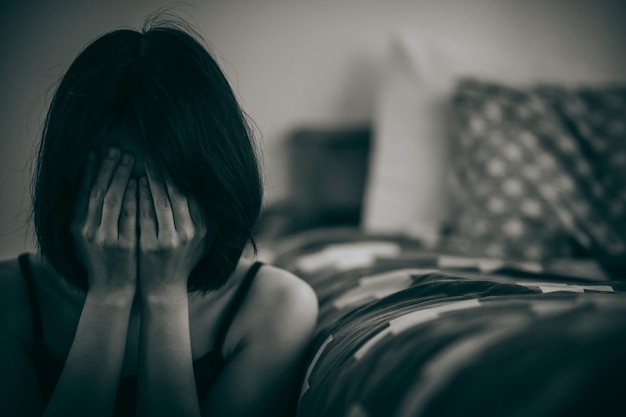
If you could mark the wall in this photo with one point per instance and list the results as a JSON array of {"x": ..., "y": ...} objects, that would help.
[{"x": 291, "y": 62}]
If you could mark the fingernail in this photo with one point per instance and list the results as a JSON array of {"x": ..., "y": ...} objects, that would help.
[
  {"x": 126, "y": 159},
  {"x": 113, "y": 152},
  {"x": 144, "y": 181}
]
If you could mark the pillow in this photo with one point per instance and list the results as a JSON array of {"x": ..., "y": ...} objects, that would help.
[
  {"x": 527, "y": 177},
  {"x": 596, "y": 117},
  {"x": 405, "y": 189}
]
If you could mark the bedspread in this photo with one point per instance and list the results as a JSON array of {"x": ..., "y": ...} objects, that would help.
[{"x": 405, "y": 331}]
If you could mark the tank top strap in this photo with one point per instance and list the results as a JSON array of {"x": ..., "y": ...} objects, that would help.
[
  {"x": 234, "y": 305},
  {"x": 27, "y": 273}
]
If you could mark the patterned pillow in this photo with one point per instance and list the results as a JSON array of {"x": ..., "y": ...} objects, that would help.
[
  {"x": 533, "y": 168},
  {"x": 596, "y": 119}
]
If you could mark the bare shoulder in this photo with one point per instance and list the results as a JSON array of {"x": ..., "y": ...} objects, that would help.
[
  {"x": 284, "y": 297},
  {"x": 14, "y": 303},
  {"x": 280, "y": 307},
  {"x": 266, "y": 346},
  {"x": 12, "y": 286}
]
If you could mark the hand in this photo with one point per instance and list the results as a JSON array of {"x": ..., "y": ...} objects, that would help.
[
  {"x": 104, "y": 225},
  {"x": 170, "y": 242}
]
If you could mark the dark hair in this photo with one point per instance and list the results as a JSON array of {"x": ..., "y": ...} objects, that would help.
[{"x": 161, "y": 84}]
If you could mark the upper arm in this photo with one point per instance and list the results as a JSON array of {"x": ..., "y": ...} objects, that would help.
[
  {"x": 19, "y": 385},
  {"x": 263, "y": 375}
]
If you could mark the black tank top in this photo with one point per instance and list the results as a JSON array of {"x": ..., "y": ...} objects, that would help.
[{"x": 206, "y": 368}]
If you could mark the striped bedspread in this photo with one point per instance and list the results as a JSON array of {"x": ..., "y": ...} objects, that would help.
[{"x": 405, "y": 331}]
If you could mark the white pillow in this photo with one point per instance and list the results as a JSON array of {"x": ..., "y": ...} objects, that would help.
[{"x": 405, "y": 190}]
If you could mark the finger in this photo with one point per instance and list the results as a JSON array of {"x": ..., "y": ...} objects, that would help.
[
  {"x": 128, "y": 215},
  {"x": 82, "y": 198},
  {"x": 147, "y": 219},
  {"x": 161, "y": 203},
  {"x": 114, "y": 196},
  {"x": 180, "y": 209},
  {"x": 100, "y": 185}
]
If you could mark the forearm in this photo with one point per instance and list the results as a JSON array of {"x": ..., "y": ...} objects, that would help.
[
  {"x": 166, "y": 377},
  {"x": 89, "y": 381}
]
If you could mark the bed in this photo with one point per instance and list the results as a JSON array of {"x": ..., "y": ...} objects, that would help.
[
  {"x": 484, "y": 277},
  {"x": 405, "y": 331}
]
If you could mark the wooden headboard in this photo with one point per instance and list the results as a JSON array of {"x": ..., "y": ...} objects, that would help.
[{"x": 327, "y": 171}]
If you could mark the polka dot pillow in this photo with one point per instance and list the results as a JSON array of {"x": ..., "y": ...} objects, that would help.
[{"x": 539, "y": 172}]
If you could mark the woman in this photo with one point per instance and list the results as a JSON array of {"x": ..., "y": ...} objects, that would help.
[{"x": 138, "y": 301}]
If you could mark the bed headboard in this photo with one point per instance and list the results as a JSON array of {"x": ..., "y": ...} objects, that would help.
[{"x": 327, "y": 173}]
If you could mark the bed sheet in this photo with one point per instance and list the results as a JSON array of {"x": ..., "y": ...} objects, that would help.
[{"x": 408, "y": 331}]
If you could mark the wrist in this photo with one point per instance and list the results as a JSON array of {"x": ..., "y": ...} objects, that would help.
[
  {"x": 111, "y": 298},
  {"x": 164, "y": 294},
  {"x": 164, "y": 307}
]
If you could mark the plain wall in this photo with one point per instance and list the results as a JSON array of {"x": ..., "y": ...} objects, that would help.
[{"x": 291, "y": 62}]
